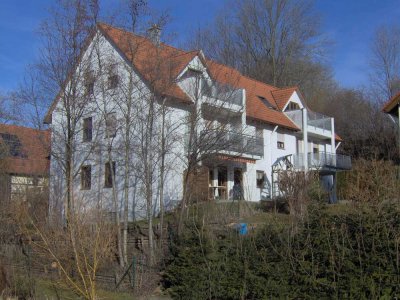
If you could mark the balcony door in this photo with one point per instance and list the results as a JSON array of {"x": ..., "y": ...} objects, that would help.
[
  {"x": 222, "y": 183},
  {"x": 238, "y": 184}
]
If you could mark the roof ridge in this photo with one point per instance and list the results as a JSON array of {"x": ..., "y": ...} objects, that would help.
[
  {"x": 185, "y": 53},
  {"x": 261, "y": 82},
  {"x": 295, "y": 87}
]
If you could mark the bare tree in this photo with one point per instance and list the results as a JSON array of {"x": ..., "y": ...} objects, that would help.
[
  {"x": 77, "y": 254},
  {"x": 31, "y": 98},
  {"x": 274, "y": 41},
  {"x": 385, "y": 62},
  {"x": 353, "y": 111},
  {"x": 68, "y": 74},
  {"x": 137, "y": 101},
  {"x": 7, "y": 108}
]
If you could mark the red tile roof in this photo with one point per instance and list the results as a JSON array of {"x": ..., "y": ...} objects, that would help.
[
  {"x": 256, "y": 91},
  {"x": 391, "y": 105},
  {"x": 159, "y": 65},
  {"x": 282, "y": 96},
  {"x": 264, "y": 102},
  {"x": 35, "y": 151}
]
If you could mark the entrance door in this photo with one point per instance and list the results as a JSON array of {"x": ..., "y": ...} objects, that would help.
[{"x": 238, "y": 184}]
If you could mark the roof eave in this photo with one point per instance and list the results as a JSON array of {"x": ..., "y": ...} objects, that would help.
[
  {"x": 391, "y": 105},
  {"x": 274, "y": 124}
]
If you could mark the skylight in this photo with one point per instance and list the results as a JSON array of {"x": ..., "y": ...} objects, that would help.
[{"x": 265, "y": 101}]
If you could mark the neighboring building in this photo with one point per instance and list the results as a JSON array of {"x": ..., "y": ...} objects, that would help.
[
  {"x": 267, "y": 129},
  {"x": 24, "y": 162},
  {"x": 392, "y": 107}
]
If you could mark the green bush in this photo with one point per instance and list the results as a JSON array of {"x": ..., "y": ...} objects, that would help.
[{"x": 344, "y": 256}]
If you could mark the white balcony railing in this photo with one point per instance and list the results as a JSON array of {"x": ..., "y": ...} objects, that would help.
[
  {"x": 222, "y": 92},
  {"x": 315, "y": 120},
  {"x": 230, "y": 141},
  {"x": 322, "y": 160}
]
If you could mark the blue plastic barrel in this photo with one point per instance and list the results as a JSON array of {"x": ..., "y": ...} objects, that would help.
[{"x": 241, "y": 228}]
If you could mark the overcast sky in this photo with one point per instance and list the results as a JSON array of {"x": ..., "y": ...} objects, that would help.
[{"x": 350, "y": 24}]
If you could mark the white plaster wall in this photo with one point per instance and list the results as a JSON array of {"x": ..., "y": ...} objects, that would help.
[
  {"x": 295, "y": 98},
  {"x": 95, "y": 153}
]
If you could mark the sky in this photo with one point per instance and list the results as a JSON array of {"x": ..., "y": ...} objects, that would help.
[{"x": 349, "y": 24}]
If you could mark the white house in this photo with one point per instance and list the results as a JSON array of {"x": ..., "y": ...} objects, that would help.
[{"x": 256, "y": 129}]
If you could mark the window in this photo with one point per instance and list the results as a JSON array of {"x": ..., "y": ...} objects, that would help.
[
  {"x": 315, "y": 148},
  {"x": 86, "y": 177},
  {"x": 292, "y": 106},
  {"x": 87, "y": 129},
  {"x": 89, "y": 83},
  {"x": 281, "y": 141},
  {"x": 113, "y": 81},
  {"x": 260, "y": 179},
  {"x": 111, "y": 125},
  {"x": 109, "y": 174},
  {"x": 192, "y": 72},
  {"x": 259, "y": 132},
  {"x": 13, "y": 145}
]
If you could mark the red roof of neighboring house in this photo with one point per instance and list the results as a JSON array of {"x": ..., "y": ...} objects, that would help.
[
  {"x": 391, "y": 105},
  {"x": 27, "y": 150}
]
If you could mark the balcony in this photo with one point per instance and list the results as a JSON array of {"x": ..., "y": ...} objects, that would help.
[
  {"x": 322, "y": 161},
  {"x": 216, "y": 92},
  {"x": 230, "y": 142},
  {"x": 318, "y": 124}
]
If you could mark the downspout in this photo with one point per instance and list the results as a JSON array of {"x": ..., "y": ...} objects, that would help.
[{"x": 338, "y": 145}]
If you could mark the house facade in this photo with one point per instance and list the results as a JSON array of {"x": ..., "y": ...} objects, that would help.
[
  {"x": 143, "y": 101},
  {"x": 24, "y": 162}
]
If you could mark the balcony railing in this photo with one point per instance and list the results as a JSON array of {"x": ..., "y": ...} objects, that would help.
[
  {"x": 314, "y": 119},
  {"x": 323, "y": 161},
  {"x": 231, "y": 141},
  {"x": 222, "y": 92}
]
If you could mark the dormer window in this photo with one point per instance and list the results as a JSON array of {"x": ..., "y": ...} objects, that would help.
[
  {"x": 293, "y": 106},
  {"x": 192, "y": 72}
]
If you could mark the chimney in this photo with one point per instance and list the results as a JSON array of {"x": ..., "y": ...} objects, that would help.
[{"x": 154, "y": 34}]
